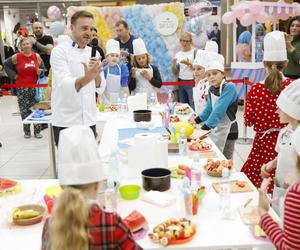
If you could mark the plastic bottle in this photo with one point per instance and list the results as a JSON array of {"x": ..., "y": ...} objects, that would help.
[
  {"x": 186, "y": 197},
  {"x": 196, "y": 174},
  {"x": 224, "y": 194},
  {"x": 110, "y": 196},
  {"x": 182, "y": 143},
  {"x": 152, "y": 100},
  {"x": 170, "y": 102},
  {"x": 124, "y": 103},
  {"x": 119, "y": 103},
  {"x": 114, "y": 166}
]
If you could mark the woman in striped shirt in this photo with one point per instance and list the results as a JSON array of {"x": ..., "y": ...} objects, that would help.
[{"x": 288, "y": 237}]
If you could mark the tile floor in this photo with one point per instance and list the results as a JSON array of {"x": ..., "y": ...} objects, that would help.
[{"x": 29, "y": 158}]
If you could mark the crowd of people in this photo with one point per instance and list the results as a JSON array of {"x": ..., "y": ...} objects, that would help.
[{"x": 125, "y": 67}]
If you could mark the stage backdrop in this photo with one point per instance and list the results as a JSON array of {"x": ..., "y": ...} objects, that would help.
[{"x": 141, "y": 20}]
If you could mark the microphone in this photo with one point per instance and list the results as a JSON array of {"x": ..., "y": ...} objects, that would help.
[{"x": 94, "y": 46}]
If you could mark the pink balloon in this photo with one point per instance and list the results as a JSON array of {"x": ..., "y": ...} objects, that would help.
[
  {"x": 296, "y": 7},
  {"x": 192, "y": 11},
  {"x": 247, "y": 19},
  {"x": 262, "y": 17},
  {"x": 54, "y": 13},
  {"x": 238, "y": 12},
  {"x": 255, "y": 7},
  {"x": 283, "y": 16},
  {"x": 228, "y": 17}
]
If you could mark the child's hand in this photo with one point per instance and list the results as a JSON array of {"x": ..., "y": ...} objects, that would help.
[
  {"x": 264, "y": 171},
  {"x": 146, "y": 74},
  {"x": 264, "y": 202},
  {"x": 192, "y": 119}
]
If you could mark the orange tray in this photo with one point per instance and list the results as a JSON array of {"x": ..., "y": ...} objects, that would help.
[{"x": 182, "y": 241}]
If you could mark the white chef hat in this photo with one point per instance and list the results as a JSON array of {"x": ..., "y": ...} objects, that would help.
[
  {"x": 79, "y": 160},
  {"x": 215, "y": 64},
  {"x": 200, "y": 59},
  {"x": 211, "y": 46},
  {"x": 112, "y": 47},
  {"x": 274, "y": 47},
  {"x": 139, "y": 47},
  {"x": 289, "y": 100},
  {"x": 296, "y": 140}
]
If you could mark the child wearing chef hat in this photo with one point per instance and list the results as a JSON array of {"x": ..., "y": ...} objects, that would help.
[
  {"x": 219, "y": 114},
  {"x": 286, "y": 236},
  {"x": 145, "y": 77},
  {"x": 261, "y": 108},
  {"x": 116, "y": 74},
  {"x": 200, "y": 91},
  {"x": 77, "y": 221},
  {"x": 288, "y": 104}
]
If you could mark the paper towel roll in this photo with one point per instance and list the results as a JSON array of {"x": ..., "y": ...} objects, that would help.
[{"x": 147, "y": 152}]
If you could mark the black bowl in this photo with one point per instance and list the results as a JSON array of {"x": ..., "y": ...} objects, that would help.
[
  {"x": 142, "y": 115},
  {"x": 158, "y": 179}
]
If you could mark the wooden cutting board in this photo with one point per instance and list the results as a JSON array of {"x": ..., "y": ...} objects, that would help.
[
  {"x": 202, "y": 154},
  {"x": 243, "y": 187},
  {"x": 201, "y": 134}
]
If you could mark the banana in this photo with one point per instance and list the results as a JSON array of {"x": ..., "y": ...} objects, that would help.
[{"x": 25, "y": 214}]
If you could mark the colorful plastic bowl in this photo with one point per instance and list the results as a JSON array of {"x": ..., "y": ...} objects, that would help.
[{"x": 130, "y": 192}]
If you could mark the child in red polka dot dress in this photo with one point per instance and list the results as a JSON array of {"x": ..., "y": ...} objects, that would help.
[{"x": 261, "y": 108}]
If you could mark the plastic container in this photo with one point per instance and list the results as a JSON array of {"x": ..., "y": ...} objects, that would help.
[
  {"x": 130, "y": 192},
  {"x": 224, "y": 194},
  {"x": 182, "y": 143},
  {"x": 107, "y": 195}
]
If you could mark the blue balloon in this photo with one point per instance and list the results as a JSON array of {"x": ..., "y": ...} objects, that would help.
[{"x": 57, "y": 28}]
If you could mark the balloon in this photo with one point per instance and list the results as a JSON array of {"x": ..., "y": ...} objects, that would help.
[
  {"x": 262, "y": 17},
  {"x": 195, "y": 25},
  {"x": 283, "y": 16},
  {"x": 228, "y": 17},
  {"x": 255, "y": 7},
  {"x": 57, "y": 28},
  {"x": 238, "y": 12},
  {"x": 296, "y": 7},
  {"x": 54, "y": 13},
  {"x": 247, "y": 19},
  {"x": 193, "y": 10}
]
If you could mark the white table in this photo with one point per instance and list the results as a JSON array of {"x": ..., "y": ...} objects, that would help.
[
  {"x": 47, "y": 120},
  {"x": 213, "y": 232}
]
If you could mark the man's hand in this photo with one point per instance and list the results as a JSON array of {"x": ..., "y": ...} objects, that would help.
[
  {"x": 91, "y": 72},
  {"x": 146, "y": 74},
  {"x": 186, "y": 62},
  {"x": 124, "y": 53},
  {"x": 32, "y": 40},
  {"x": 1, "y": 67},
  {"x": 174, "y": 62}
]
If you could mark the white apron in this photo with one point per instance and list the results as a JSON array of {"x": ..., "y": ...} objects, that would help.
[
  {"x": 200, "y": 92},
  {"x": 220, "y": 133},
  {"x": 143, "y": 85},
  {"x": 113, "y": 89},
  {"x": 286, "y": 167}
]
